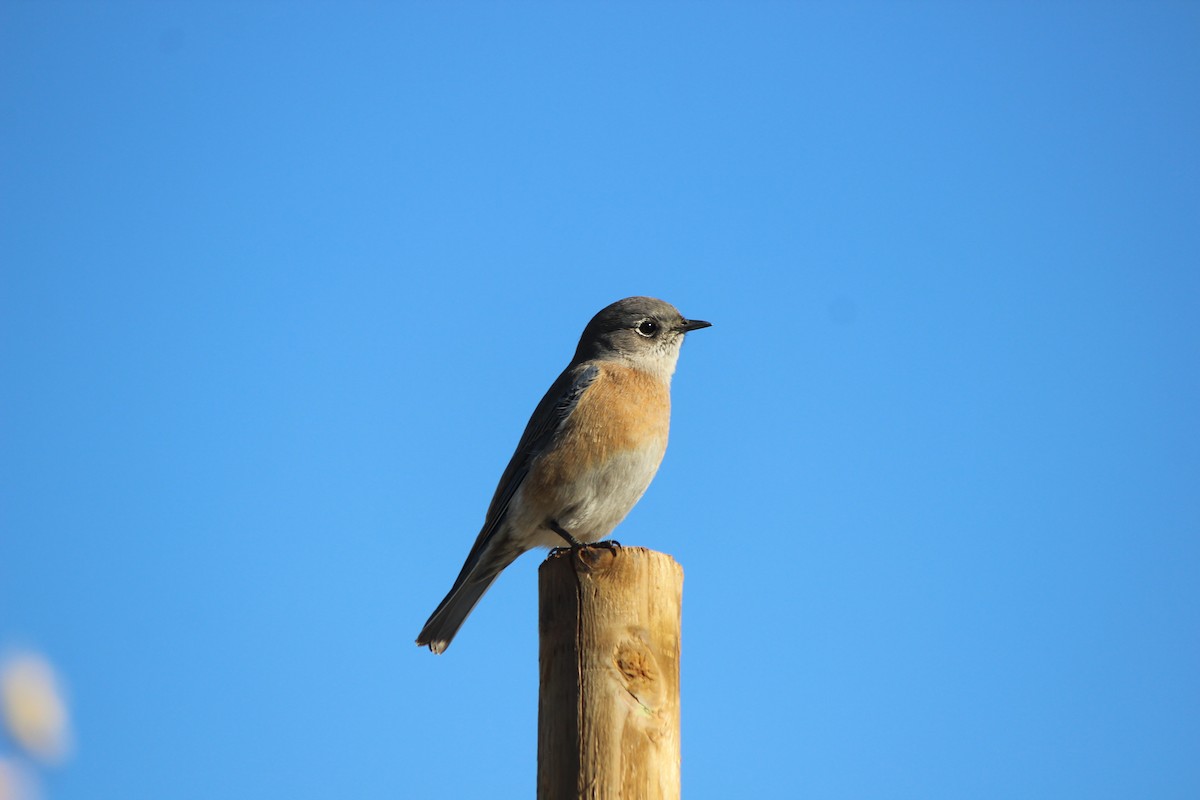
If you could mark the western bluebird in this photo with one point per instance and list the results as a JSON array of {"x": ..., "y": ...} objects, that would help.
[{"x": 587, "y": 455}]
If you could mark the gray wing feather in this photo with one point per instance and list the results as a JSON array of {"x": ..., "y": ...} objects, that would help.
[{"x": 479, "y": 570}]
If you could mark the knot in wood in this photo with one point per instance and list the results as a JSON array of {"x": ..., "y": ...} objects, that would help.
[
  {"x": 640, "y": 672},
  {"x": 596, "y": 558}
]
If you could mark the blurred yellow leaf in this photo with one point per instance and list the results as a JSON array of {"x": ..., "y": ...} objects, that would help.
[{"x": 33, "y": 707}]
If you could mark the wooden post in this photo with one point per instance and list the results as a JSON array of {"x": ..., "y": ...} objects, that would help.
[{"x": 608, "y": 711}]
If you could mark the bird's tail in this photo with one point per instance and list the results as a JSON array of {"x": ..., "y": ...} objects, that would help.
[{"x": 472, "y": 582}]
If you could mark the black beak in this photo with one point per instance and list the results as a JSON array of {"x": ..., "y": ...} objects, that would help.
[{"x": 694, "y": 325}]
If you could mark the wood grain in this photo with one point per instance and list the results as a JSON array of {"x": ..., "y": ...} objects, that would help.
[{"x": 608, "y": 712}]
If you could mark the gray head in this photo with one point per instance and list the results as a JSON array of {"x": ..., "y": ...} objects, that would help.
[{"x": 641, "y": 331}]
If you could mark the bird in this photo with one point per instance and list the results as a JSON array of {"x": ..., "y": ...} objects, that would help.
[{"x": 587, "y": 455}]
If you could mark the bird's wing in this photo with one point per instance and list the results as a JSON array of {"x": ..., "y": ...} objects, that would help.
[{"x": 547, "y": 419}]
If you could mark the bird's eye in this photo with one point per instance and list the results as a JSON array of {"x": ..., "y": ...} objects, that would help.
[{"x": 647, "y": 328}]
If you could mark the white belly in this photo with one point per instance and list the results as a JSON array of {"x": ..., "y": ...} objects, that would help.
[{"x": 590, "y": 507}]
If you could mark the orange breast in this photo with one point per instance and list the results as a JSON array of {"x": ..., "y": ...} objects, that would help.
[{"x": 624, "y": 409}]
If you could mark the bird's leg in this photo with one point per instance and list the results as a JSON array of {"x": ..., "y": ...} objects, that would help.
[
  {"x": 610, "y": 544},
  {"x": 553, "y": 525}
]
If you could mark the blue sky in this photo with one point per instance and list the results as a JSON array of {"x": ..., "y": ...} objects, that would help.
[{"x": 280, "y": 285}]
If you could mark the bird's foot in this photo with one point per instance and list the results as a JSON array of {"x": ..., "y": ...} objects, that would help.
[
  {"x": 574, "y": 545},
  {"x": 565, "y": 534}
]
